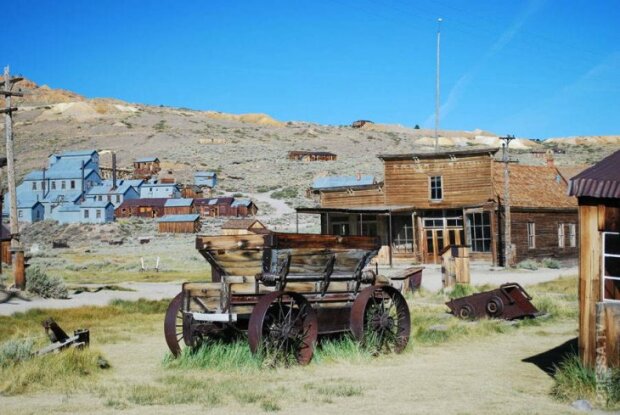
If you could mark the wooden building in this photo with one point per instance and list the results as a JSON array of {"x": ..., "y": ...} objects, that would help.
[
  {"x": 179, "y": 207},
  {"x": 5, "y": 246},
  {"x": 244, "y": 227},
  {"x": 598, "y": 192},
  {"x": 144, "y": 208},
  {"x": 243, "y": 207},
  {"x": 146, "y": 167},
  {"x": 179, "y": 223},
  {"x": 191, "y": 191},
  {"x": 213, "y": 207},
  {"x": 311, "y": 156},
  {"x": 431, "y": 200}
]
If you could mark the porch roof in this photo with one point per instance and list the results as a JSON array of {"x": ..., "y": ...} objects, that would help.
[{"x": 381, "y": 209}]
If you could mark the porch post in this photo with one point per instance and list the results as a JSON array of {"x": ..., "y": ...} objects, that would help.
[
  {"x": 296, "y": 222},
  {"x": 390, "y": 236}
]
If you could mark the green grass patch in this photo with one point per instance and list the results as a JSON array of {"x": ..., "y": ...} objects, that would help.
[
  {"x": 63, "y": 371},
  {"x": 218, "y": 356}
]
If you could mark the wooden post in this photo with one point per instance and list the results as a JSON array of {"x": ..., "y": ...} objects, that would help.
[
  {"x": 16, "y": 247},
  {"x": 507, "y": 230}
]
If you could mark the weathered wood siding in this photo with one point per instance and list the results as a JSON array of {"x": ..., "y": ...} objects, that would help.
[
  {"x": 139, "y": 211},
  {"x": 546, "y": 230},
  {"x": 466, "y": 181},
  {"x": 353, "y": 198},
  {"x": 5, "y": 247},
  {"x": 179, "y": 227},
  {"x": 179, "y": 210}
]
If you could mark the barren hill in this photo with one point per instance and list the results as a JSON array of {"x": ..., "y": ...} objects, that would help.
[{"x": 249, "y": 150}]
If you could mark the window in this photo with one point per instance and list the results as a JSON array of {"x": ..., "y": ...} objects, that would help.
[
  {"x": 20, "y": 213},
  {"x": 572, "y": 235},
  {"x": 479, "y": 236},
  {"x": 63, "y": 185},
  {"x": 435, "y": 188},
  {"x": 98, "y": 214},
  {"x": 85, "y": 213},
  {"x": 53, "y": 185},
  {"x": 341, "y": 229},
  {"x": 100, "y": 198},
  {"x": 34, "y": 185},
  {"x": 560, "y": 235},
  {"x": 531, "y": 235},
  {"x": 611, "y": 266},
  {"x": 72, "y": 184},
  {"x": 118, "y": 198}
]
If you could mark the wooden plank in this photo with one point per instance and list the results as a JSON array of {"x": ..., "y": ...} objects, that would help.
[
  {"x": 292, "y": 240},
  {"x": 227, "y": 242},
  {"x": 612, "y": 326}
]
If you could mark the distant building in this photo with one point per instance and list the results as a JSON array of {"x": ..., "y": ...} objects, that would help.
[
  {"x": 205, "y": 178},
  {"x": 146, "y": 167},
  {"x": 311, "y": 156},
  {"x": 244, "y": 227},
  {"x": 244, "y": 207},
  {"x": 179, "y": 207},
  {"x": 156, "y": 189},
  {"x": 212, "y": 207},
  {"x": 106, "y": 191},
  {"x": 144, "y": 208},
  {"x": 179, "y": 223}
]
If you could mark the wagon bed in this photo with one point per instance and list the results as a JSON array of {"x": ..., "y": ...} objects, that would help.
[{"x": 283, "y": 290}]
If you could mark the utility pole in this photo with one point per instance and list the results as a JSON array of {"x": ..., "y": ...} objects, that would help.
[
  {"x": 437, "y": 85},
  {"x": 16, "y": 247},
  {"x": 507, "y": 227}
]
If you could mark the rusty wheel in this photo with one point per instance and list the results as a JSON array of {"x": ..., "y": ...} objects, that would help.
[
  {"x": 283, "y": 327},
  {"x": 380, "y": 319},
  {"x": 495, "y": 306},
  {"x": 173, "y": 326},
  {"x": 466, "y": 311}
]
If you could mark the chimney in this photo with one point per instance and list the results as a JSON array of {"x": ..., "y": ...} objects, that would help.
[
  {"x": 113, "y": 171},
  {"x": 550, "y": 161},
  {"x": 358, "y": 176},
  {"x": 83, "y": 189}
]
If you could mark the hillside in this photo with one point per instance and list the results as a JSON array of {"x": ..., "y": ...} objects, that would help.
[{"x": 249, "y": 151}]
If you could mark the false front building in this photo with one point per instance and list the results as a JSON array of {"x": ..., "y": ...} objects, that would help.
[{"x": 431, "y": 200}]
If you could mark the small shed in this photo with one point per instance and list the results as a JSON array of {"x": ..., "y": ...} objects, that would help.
[
  {"x": 179, "y": 207},
  {"x": 145, "y": 167},
  {"x": 311, "y": 156},
  {"x": 205, "y": 178},
  {"x": 244, "y": 227},
  {"x": 179, "y": 223},
  {"x": 191, "y": 191},
  {"x": 244, "y": 207},
  {"x": 598, "y": 192},
  {"x": 217, "y": 206}
]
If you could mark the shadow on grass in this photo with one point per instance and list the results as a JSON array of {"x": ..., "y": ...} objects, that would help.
[{"x": 550, "y": 360}]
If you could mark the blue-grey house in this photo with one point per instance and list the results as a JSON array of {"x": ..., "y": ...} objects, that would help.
[
  {"x": 205, "y": 178},
  {"x": 124, "y": 190},
  {"x": 31, "y": 211},
  {"x": 333, "y": 182},
  {"x": 92, "y": 211},
  {"x": 156, "y": 189}
]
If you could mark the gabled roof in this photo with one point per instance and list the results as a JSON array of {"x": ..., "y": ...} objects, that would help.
[
  {"x": 61, "y": 196},
  {"x": 122, "y": 187},
  {"x": 213, "y": 201},
  {"x": 179, "y": 218},
  {"x": 76, "y": 153},
  {"x": 342, "y": 181},
  {"x": 158, "y": 184},
  {"x": 95, "y": 204},
  {"x": 179, "y": 202},
  {"x": 568, "y": 172},
  {"x": 600, "y": 181},
  {"x": 533, "y": 186},
  {"x": 146, "y": 159},
  {"x": 205, "y": 174},
  {"x": 150, "y": 202},
  {"x": 60, "y": 173},
  {"x": 245, "y": 224}
]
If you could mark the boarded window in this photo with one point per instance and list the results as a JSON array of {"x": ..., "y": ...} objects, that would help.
[
  {"x": 611, "y": 266},
  {"x": 435, "y": 188},
  {"x": 20, "y": 213},
  {"x": 98, "y": 214},
  {"x": 73, "y": 184},
  {"x": 531, "y": 235},
  {"x": 561, "y": 235},
  {"x": 53, "y": 185},
  {"x": 63, "y": 185},
  {"x": 34, "y": 185},
  {"x": 86, "y": 214},
  {"x": 479, "y": 224},
  {"x": 118, "y": 198}
]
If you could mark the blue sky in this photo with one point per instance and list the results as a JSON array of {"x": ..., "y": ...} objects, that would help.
[{"x": 532, "y": 68}]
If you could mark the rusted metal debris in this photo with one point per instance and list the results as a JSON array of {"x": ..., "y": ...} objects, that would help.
[
  {"x": 284, "y": 290},
  {"x": 61, "y": 340},
  {"x": 510, "y": 301}
]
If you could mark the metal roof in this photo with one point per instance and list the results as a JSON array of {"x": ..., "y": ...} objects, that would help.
[
  {"x": 342, "y": 181},
  {"x": 241, "y": 223},
  {"x": 151, "y": 202},
  {"x": 60, "y": 173},
  {"x": 205, "y": 174},
  {"x": 179, "y": 202},
  {"x": 179, "y": 218},
  {"x": 213, "y": 201},
  {"x": 380, "y": 209},
  {"x": 599, "y": 181},
  {"x": 146, "y": 159},
  {"x": 76, "y": 153},
  {"x": 241, "y": 202},
  {"x": 439, "y": 154},
  {"x": 105, "y": 188},
  {"x": 95, "y": 204}
]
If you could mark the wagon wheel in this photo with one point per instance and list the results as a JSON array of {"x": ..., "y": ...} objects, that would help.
[
  {"x": 465, "y": 311},
  {"x": 173, "y": 326},
  {"x": 380, "y": 319},
  {"x": 284, "y": 327}
]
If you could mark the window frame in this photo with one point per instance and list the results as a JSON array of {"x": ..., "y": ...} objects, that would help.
[
  {"x": 561, "y": 236},
  {"x": 86, "y": 215},
  {"x": 572, "y": 235},
  {"x": 531, "y": 235},
  {"x": 470, "y": 238},
  {"x": 603, "y": 276},
  {"x": 432, "y": 188}
]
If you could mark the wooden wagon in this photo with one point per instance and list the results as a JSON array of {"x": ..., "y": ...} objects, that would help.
[{"x": 283, "y": 291}]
